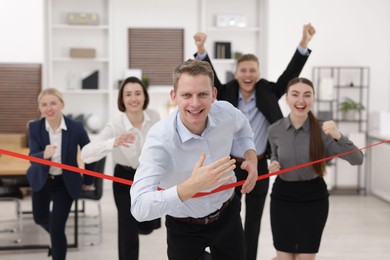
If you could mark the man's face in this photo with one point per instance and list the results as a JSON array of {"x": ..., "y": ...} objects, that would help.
[
  {"x": 247, "y": 74},
  {"x": 194, "y": 96}
]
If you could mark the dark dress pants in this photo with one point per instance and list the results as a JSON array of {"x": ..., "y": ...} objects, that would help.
[
  {"x": 225, "y": 237},
  {"x": 128, "y": 240},
  {"x": 254, "y": 205},
  {"x": 54, "y": 222}
]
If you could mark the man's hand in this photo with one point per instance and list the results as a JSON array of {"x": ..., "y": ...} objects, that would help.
[
  {"x": 200, "y": 39},
  {"x": 251, "y": 167},
  {"x": 307, "y": 35},
  {"x": 205, "y": 177}
]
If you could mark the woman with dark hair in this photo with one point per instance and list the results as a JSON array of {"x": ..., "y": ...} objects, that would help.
[
  {"x": 299, "y": 198},
  {"x": 124, "y": 138}
]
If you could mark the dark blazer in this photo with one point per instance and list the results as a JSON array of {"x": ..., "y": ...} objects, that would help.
[
  {"x": 267, "y": 93},
  {"x": 74, "y": 136}
]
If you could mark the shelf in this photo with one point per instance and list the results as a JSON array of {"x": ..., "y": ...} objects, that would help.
[
  {"x": 335, "y": 83},
  {"x": 326, "y": 100},
  {"x": 354, "y": 87},
  {"x": 161, "y": 89},
  {"x": 224, "y": 61},
  {"x": 215, "y": 16},
  {"x": 67, "y": 59},
  {"x": 85, "y": 91},
  {"x": 379, "y": 136},
  {"x": 232, "y": 29},
  {"x": 79, "y": 27},
  {"x": 67, "y": 73},
  {"x": 350, "y": 120}
]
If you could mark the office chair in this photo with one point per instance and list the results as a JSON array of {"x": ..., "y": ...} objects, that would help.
[
  {"x": 94, "y": 195},
  {"x": 13, "y": 194}
]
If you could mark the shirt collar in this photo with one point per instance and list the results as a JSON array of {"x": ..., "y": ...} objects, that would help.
[
  {"x": 127, "y": 123},
  {"x": 305, "y": 126},
  {"x": 62, "y": 125},
  {"x": 186, "y": 134},
  {"x": 252, "y": 97}
]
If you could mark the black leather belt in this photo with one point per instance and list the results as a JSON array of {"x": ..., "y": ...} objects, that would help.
[
  {"x": 239, "y": 159},
  {"x": 209, "y": 218}
]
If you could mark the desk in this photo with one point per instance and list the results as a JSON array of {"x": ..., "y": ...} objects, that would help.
[
  {"x": 378, "y": 167},
  {"x": 13, "y": 167}
]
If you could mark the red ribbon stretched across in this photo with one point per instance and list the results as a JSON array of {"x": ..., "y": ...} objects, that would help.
[
  {"x": 200, "y": 194},
  {"x": 65, "y": 167}
]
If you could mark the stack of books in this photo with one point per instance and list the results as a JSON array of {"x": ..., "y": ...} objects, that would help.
[{"x": 222, "y": 50}]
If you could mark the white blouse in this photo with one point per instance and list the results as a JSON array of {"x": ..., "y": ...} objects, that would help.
[{"x": 104, "y": 143}]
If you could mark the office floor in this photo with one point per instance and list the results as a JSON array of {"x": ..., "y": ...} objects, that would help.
[{"x": 358, "y": 228}]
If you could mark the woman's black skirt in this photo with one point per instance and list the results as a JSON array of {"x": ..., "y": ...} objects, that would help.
[
  {"x": 299, "y": 211},
  {"x": 124, "y": 172}
]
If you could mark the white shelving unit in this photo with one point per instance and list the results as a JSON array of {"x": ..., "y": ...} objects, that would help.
[
  {"x": 247, "y": 39},
  {"x": 338, "y": 83},
  {"x": 66, "y": 73}
]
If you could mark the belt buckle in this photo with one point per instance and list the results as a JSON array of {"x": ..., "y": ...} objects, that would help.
[{"x": 212, "y": 218}]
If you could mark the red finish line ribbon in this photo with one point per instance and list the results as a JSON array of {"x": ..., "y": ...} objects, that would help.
[
  {"x": 264, "y": 176},
  {"x": 200, "y": 194},
  {"x": 65, "y": 167}
]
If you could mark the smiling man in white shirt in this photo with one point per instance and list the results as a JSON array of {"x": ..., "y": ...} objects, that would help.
[{"x": 188, "y": 153}]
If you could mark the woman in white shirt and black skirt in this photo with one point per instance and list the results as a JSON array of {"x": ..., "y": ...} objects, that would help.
[{"x": 124, "y": 138}]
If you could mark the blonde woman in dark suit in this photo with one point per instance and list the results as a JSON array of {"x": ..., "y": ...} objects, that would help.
[{"x": 57, "y": 138}]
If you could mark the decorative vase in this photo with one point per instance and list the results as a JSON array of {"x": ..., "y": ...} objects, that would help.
[{"x": 350, "y": 115}]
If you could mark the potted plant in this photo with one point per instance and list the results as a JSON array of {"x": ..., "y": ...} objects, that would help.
[
  {"x": 145, "y": 80},
  {"x": 350, "y": 108},
  {"x": 237, "y": 55}
]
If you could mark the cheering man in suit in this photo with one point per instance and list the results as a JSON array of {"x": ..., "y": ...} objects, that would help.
[{"x": 258, "y": 99}]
